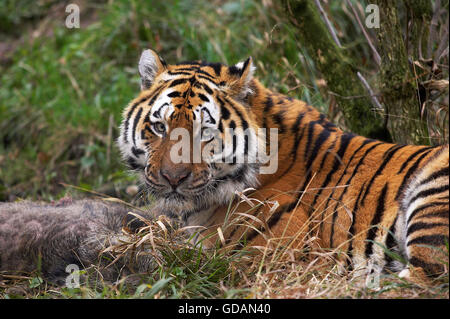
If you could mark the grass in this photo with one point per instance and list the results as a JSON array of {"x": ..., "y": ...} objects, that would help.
[
  {"x": 63, "y": 93},
  {"x": 61, "y": 96},
  {"x": 181, "y": 269}
]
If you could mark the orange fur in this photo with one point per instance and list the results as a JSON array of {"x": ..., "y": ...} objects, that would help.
[{"x": 349, "y": 191}]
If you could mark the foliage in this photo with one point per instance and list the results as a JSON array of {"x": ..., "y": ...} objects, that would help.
[{"x": 62, "y": 93}]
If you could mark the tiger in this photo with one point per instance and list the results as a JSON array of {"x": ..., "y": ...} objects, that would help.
[{"x": 360, "y": 196}]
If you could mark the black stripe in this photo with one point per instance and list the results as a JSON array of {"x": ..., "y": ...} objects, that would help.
[
  {"x": 234, "y": 148},
  {"x": 417, "y": 262},
  {"x": 178, "y": 82},
  {"x": 174, "y": 94},
  {"x": 127, "y": 121},
  {"x": 309, "y": 138},
  {"x": 410, "y": 158},
  {"x": 376, "y": 221},
  {"x": 155, "y": 96},
  {"x": 135, "y": 123},
  {"x": 245, "y": 65},
  {"x": 434, "y": 240},
  {"x": 211, "y": 78},
  {"x": 279, "y": 119},
  {"x": 133, "y": 164},
  {"x": 419, "y": 226},
  {"x": 317, "y": 195},
  {"x": 389, "y": 155},
  {"x": 440, "y": 173},
  {"x": 410, "y": 171},
  {"x": 207, "y": 89},
  {"x": 233, "y": 70},
  {"x": 298, "y": 137},
  {"x": 423, "y": 207},
  {"x": 212, "y": 120},
  {"x": 179, "y": 73},
  {"x": 430, "y": 192},
  {"x": 345, "y": 141},
  {"x": 225, "y": 113},
  {"x": 245, "y": 144},
  {"x": 274, "y": 218},
  {"x": 351, "y": 231},
  {"x": 268, "y": 104},
  {"x": 361, "y": 160},
  {"x": 217, "y": 67},
  {"x": 206, "y": 78},
  {"x": 130, "y": 113},
  {"x": 137, "y": 151},
  {"x": 203, "y": 97},
  {"x": 157, "y": 113},
  {"x": 187, "y": 69},
  {"x": 295, "y": 129},
  {"x": 366, "y": 141},
  {"x": 391, "y": 241},
  {"x": 244, "y": 123},
  {"x": 252, "y": 234},
  {"x": 438, "y": 214},
  {"x": 323, "y": 137}
]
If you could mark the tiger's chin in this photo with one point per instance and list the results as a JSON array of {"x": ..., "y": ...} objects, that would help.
[{"x": 181, "y": 205}]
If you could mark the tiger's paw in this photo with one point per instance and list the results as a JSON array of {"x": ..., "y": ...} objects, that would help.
[{"x": 415, "y": 275}]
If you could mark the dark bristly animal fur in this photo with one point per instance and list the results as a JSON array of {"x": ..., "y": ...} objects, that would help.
[{"x": 52, "y": 236}]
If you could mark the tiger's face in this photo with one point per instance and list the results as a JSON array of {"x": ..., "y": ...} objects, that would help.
[{"x": 189, "y": 133}]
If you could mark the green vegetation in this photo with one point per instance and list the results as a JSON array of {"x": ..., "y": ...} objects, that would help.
[
  {"x": 62, "y": 93},
  {"x": 190, "y": 271}
]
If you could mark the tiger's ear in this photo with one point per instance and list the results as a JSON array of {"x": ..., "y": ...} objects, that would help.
[
  {"x": 150, "y": 65},
  {"x": 240, "y": 76}
]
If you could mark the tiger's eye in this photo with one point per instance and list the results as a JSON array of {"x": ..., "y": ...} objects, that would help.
[
  {"x": 159, "y": 128},
  {"x": 207, "y": 134}
]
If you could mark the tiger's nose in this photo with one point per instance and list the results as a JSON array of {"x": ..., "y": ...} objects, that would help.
[{"x": 175, "y": 176}]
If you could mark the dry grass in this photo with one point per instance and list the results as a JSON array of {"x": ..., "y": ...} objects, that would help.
[{"x": 182, "y": 268}]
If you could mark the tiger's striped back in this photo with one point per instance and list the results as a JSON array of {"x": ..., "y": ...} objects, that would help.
[
  {"x": 358, "y": 195},
  {"x": 353, "y": 193}
]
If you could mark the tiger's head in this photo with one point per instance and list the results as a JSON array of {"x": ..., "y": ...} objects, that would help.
[{"x": 190, "y": 133}]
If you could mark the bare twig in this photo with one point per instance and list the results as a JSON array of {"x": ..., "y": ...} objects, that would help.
[
  {"x": 374, "y": 99},
  {"x": 336, "y": 40},
  {"x": 433, "y": 25},
  {"x": 443, "y": 45},
  {"x": 328, "y": 23},
  {"x": 366, "y": 35}
]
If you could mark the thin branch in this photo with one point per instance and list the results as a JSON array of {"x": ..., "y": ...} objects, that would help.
[
  {"x": 443, "y": 43},
  {"x": 433, "y": 25},
  {"x": 336, "y": 40},
  {"x": 328, "y": 23},
  {"x": 366, "y": 35},
  {"x": 371, "y": 93}
]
